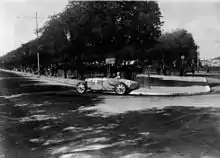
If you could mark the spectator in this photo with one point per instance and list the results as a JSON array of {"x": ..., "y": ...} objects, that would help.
[
  {"x": 163, "y": 67},
  {"x": 157, "y": 65},
  {"x": 193, "y": 67},
  {"x": 207, "y": 69},
  {"x": 173, "y": 67},
  {"x": 182, "y": 68}
]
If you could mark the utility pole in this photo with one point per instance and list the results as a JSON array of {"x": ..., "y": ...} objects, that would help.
[
  {"x": 38, "y": 55},
  {"x": 37, "y": 33}
]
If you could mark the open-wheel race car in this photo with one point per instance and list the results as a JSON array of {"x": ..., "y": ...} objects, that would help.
[{"x": 119, "y": 86}]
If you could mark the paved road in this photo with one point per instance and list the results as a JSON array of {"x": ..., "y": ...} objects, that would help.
[{"x": 43, "y": 120}]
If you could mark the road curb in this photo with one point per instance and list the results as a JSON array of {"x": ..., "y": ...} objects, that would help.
[{"x": 173, "y": 94}]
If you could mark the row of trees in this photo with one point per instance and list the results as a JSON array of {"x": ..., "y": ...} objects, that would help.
[{"x": 93, "y": 30}]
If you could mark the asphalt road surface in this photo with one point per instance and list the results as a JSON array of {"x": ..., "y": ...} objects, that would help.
[{"x": 48, "y": 120}]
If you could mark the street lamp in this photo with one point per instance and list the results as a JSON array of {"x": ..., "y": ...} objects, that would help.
[{"x": 182, "y": 65}]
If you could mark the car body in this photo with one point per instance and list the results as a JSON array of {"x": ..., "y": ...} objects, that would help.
[{"x": 120, "y": 86}]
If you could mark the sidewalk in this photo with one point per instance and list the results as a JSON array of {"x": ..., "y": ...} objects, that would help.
[
  {"x": 153, "y": 91},
  {"x": 176, "y": 78}
]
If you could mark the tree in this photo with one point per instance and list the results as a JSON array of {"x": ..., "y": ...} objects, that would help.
[
  {"x": 126, "y": 30},
  {"x": 111, "y": 26},
  {"x": 171, "y": 45}
]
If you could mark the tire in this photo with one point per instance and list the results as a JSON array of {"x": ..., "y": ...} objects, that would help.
[
  {"x": 81, "y": 88},
  {"x": 121, "y": 89}
]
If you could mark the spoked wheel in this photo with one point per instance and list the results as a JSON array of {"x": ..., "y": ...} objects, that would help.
[
  {"x": 121, "y": 89},
  {"x": 81, "y": 88}
]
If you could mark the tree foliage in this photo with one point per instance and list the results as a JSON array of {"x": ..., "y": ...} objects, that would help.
[
  {"x": 171, "y": 45},
  {"x": 95, "y": 29}
]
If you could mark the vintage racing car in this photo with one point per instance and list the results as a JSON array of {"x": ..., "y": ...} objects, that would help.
[{"x": 119, "y": 86}]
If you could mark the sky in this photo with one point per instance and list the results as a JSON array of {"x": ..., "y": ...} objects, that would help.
[
  {"x": 18, "y": 22},
  {"x": 199, "y": 17}
]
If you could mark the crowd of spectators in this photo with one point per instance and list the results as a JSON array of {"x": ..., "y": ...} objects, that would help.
[{"x": 128, "y": 71}]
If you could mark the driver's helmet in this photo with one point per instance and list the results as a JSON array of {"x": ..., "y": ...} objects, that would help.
[{"x": 118, "y": 76}]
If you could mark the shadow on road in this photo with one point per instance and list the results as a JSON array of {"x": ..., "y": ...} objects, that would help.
[
  {"x": 151, "y": 131},
  {"x": 34, "y": 122},
  {"x": 61, "y": 126}
]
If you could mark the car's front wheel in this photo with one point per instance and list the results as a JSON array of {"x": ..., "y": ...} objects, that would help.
[
  {"x": 121, "y": 89},
  {"x": 81, "y": 88}
]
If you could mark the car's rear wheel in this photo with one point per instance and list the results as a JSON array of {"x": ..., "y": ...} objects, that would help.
[
  {"x": 81, "y": 88},
  {"x": 121, "y": 89}
]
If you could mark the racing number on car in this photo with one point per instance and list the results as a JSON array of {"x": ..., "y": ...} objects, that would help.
[
  {"x": 94, "y": 81},
  {"x": 91, "y": 83},
  {"x": 96, "y": 84}
]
